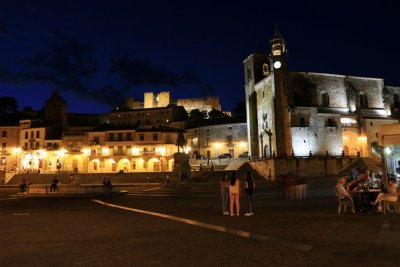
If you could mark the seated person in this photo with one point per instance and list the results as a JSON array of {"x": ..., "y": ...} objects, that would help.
[
  {"x": 352, "y": 188},
  {"x": 54, "y": 184},
  {"x": 341, "y": 191},
  {"x": 391, "y": 195}
]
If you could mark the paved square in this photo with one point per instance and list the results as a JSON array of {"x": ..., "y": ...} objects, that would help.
[{"x": 191, "y": 231}]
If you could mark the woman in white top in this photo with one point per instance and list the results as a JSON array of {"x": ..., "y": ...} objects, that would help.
[
  {"x": 391, "y": 195},
  {"x": 234, "y": 194}
]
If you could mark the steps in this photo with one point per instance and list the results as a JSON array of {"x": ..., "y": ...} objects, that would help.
[{"x": 372, "y": 164}]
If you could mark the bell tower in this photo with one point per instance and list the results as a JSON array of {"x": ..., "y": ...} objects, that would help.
[
  {"x": 278, "y": 59},
  {"x": 278, "y": 51}
]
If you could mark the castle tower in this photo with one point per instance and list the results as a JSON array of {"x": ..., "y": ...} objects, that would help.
[
  {"x": 280, "y": 74},
  {"x": 149, "y": 100},
  {"x": 163, "y": 99},
  {"x": 55, "y": 115},
  {"x": 55, "y": 108}
]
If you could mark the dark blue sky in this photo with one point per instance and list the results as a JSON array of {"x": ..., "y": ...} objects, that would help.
[{"x": 97, "y": 52}]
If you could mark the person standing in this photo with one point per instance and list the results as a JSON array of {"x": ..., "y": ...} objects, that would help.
[
  {"x": 250, "y": 185},
  {"x": 71, "y": 179},
  {"x": 224, "y": 186},
  {"x": 234, "y": 194},
  {"x": 105, "y": 185}
]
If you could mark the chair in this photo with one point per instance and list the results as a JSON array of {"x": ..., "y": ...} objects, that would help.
[
  {"x": 344, "y": 204},
  {"x": 386, "y": 205}
]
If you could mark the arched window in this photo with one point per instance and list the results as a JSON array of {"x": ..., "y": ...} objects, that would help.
[
  {"x": 363, "y": 101},
  {"x": 325, "y": 100},
  {"x": 396, "y": 102}
]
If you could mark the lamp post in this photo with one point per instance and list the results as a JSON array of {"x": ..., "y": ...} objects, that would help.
[
  {"x": 385, "y": 153},
  {"x": 16, "y": 151}
]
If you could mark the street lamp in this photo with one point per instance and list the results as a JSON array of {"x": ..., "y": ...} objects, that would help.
[{"x": 16, "y": 151}]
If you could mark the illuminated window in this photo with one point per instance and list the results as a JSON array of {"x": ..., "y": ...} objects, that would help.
[
  {"x": 265, "y": 69},
  {"x": 208, "y": 141}
]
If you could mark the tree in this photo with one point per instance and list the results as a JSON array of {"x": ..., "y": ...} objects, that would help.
[
  {"x": 197, "y": 114},
  {"x": 180, "y": 140},
  {"x": 8, "y": 105},
  {"x": 239, "y": 111},
  {"x": 216, "y": 114}
]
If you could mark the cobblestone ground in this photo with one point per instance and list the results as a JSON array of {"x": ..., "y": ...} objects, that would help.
[{"x": 80, "y": 232}]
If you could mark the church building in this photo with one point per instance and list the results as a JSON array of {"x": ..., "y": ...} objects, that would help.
[{"x": 312, "y": 114}]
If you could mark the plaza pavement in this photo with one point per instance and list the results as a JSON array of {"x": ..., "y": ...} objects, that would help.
[{"x": 128, "y": 231}]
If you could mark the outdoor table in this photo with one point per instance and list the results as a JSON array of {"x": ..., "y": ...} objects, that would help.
[{"x": 366, "y": 196}]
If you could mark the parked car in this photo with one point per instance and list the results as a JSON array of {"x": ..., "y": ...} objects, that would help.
[
  {"x": 225, "y": 156},
  {"x": 244, "y": 155}
]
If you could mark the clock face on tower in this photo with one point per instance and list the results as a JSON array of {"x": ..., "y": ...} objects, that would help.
[{"x": 277, "y": 64}]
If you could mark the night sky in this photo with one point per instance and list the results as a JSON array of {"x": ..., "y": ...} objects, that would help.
[{"x": 97, "y": 52}]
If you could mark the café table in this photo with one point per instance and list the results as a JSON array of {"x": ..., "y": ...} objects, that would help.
[{"x": 366, "y": 196}]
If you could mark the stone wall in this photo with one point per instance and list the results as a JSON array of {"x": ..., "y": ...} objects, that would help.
[
  {"x": 207, "y": 104},
  {"x": 265, "y": 115},
  {"x": 308, "y": 167}
]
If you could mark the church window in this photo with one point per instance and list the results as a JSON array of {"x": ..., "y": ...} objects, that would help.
[
  {"x": 331, "y": 123},
  {"x": 325, "y": 100},
  {"x": 265, "y": 69},
  {"x": 302, "y": 122},
  {"x": 396, "y": 101},
  {"x": 363, "y": 101}
]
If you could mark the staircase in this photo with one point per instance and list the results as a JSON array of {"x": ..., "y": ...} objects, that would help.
[{"x": 373, "y": 164}]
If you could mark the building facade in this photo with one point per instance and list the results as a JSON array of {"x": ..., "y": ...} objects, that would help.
[
  {"x": 210, "y": 141},
  {"x": 305, "y": 113}
]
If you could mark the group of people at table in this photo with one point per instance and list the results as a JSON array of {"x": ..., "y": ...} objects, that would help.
[{"x": 367, "y": 190}]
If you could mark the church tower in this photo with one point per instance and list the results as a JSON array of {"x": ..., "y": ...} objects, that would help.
[
  {"x": 279, "y": 68},
  {"x": 55, "y": 114}
]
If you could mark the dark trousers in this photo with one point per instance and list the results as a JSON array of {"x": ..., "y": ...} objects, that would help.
[
  {"x": 53, "y": 187},
  {"x": 251, "y": 202}
]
